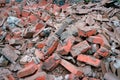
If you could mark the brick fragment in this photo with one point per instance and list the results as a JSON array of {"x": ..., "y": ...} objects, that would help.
[
  {"x": 37, "y": 76},
  {"x": 33, "y": 18},
  {"x": 8, "y": 37},
  {"x": 40, "y": 45},
  {"x": 39, "y": 26},
  {"x": 51, "y": 45},
  {"x": 39, "y": 54},
  {"x": 25, "y": 13},
  {"x": 87, "y": 31},
  {"x": 68, "y": 46},
  {"x": 41, "y": 78},
  {"x": 42, "y": 3},
  {"x": 9, "y": 53},
  {"x": 105, "y": 41},
  {"x": 65, "y": 6},
  {"x": 80, "y": 48},
  {"x": 103, "y": 52},
  {"x": 45, "y": 16},
  {"x": 89, "y": 60},
  {"x": 10, "y": 77},
  {"x": 99, "y": 39},
  {"x": 65, "y": 49},
  {"x": 95, "y": 39},
  {"x": 51, "y": 63},
  {"x": 29, "y": 70},
  {"x": 56, "y": 9},
  {"x": 70, "y": 67}
]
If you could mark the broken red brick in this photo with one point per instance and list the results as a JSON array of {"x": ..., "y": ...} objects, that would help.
[
  {"x": 33, "y": 18},
  {"x": 39, "y": 26},
  {"x": 89, "y": 60},
  {"x": 51, "y": 63},
  {"x": 105, "y": 41},
  {"x": 42, "y": 3},
  {"x": 64, "y": 7},
  {"x": 80, "y": 48},
  {"x": 99, "y": 39},
  {"x": 40, "y": 45},
  {"x": 45, "y": 16},
  {"x": 64, "y": 50},
  {"x": 68, "y": 46},
  {"x": 10, "y": 77},
  {"x": 51, "y": 45},
  {"x": 29, "y": 70},
  {"x": 49, "y": 7},
  {"x": 41, "y": 78},
  {"x": 25, "y": 13},
  {"x": 39, "y": 54},
  {"x": 8, "y": 37},
  {"x": 9, "y": 53},
  {"x": 102, "y": 52},
  {"x": 38, "y": 76},
  {"x": 87, "y": 31},
  {"x": 56, "y": 9},
  {"x": 95, "y": 39},
  {"x": 70, "y": 67}
]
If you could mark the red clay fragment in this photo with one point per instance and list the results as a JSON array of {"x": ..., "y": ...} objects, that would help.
[
  {"x": 39, "y": 26},
  {"x": 65, "y": 49},
  {"x": 40, "y": 45},
  {"x": 95, "y": 39},
  {"x": 103, "y": 52},
  {"x": 80, "y": 48},
  {"x": 99, "y": 39},
  {"x": 29, "y": 70},
  {"x": 33, "y": 18},
  {"x": 89, "y": 60},
  {"x": 87, "y": 31},
  {"x": 37, "y": 76},
  {"x": 39, "y": 54},
  {"x": 10, "y": 77},
  {"x": 25, "y": 13},
  {"x": 51, "y": 63},
  {"x": 70, "y": 67},
  {"x": 51, "y": 45}
]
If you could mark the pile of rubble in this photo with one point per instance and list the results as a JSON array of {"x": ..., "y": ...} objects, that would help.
[{"x": 44, "y": 41}]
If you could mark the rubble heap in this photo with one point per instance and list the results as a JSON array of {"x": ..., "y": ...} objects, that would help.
[{"x": 43, "y": 41}]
